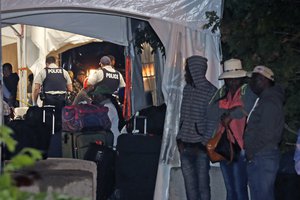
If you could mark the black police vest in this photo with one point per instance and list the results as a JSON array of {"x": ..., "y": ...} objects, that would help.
[
  {"x": 55, "y": 80},
  {"x": 111, "y": 80}
]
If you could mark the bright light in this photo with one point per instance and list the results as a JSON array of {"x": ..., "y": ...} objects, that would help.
[
  {"x": 148, "y": 70},
  {"x": 148, "y": 73},
  {"x": 91, "y": 71}
]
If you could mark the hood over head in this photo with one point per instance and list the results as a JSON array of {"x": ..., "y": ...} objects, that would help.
[{"x": 197, "y": 66}]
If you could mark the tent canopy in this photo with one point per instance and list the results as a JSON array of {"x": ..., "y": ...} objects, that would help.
[
  {"x": 190, "y": 13},
  {"x": 86, "y": 17}
]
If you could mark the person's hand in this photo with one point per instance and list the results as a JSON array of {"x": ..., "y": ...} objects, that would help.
[
  {"x": 226, "y": 119},
  {"x": 297, "y": 167},
  {"x": 180, "y": 146}
]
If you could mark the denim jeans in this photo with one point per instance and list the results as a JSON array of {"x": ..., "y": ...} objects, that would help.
[
  {"x": 195, "y": 168},
  {"x": 235, "y": 178},
  {"x": 262, "y": 170}
]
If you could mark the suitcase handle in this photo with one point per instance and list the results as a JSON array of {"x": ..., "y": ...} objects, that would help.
[
  {"x": 53, "y": 117},
  {"x": 134, "y": 124}
]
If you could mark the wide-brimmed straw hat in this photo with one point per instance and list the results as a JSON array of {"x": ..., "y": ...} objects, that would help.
[{"x": 233, "y": 69}]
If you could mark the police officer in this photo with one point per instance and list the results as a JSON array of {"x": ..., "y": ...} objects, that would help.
[
  {"x": 54, "y": 82},
  {"x": 107, "y": 76}
]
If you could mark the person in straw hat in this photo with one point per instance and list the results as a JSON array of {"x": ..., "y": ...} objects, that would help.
[
  {"x": 232, "y": 103},
  {"x": 264, "y": 133}
]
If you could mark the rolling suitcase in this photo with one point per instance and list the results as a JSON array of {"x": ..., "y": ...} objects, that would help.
[
  {"x": 137, "y": 162},
  {"x": 45, "y": 114},
  {"x": 75, "y": 144},
  {"x": 105, "y": 159},
  {"x": 29, "y": 136},
  {"x": 34, "y": 131},
  {"x": 48, "y": 114}
]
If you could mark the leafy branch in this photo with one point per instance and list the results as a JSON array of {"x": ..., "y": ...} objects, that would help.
[
  {"x": 147, "y": 35},
  {"x": 214, "y": 21},
  {"x": 25, "y": 158}
]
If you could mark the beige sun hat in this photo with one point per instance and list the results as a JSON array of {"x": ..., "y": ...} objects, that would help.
[
  {"x": 233, "y": 69},
  {"x": 265, "y": 71}
]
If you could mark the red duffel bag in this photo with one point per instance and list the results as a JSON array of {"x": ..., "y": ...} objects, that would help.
[{"x": 85, "y": 117}]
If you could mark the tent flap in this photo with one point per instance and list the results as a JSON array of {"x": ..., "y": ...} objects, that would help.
[{"x": 92, "y": 25}]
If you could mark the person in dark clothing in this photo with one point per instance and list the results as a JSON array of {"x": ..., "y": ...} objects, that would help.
[
  {"x": 113, "y": 60},
  {"x": 55, "y": 82},
  {"x": 106, "y": 76},
  {"x": 6, "y": 112},
  {"x": 29, "y": 88},
  {"x": 297, "y": 154},
  {"x": 11, "y": 81},
  {"x": 263, "y": 134},
  {"x": 77, "y": 86},
  {"x": 195, "y": 129},
  {"x": 102, "y": 96}
]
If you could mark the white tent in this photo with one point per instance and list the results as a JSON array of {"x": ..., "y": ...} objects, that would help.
[
  {"x": 33, "y": 45},
  {"x": 178, "y": 23}
]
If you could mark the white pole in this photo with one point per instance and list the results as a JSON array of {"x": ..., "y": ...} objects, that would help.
[
  {"x": 22, "y": 67},
  {"x": 1, "y": 95}
]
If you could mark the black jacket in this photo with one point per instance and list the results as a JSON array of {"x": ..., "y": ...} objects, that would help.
[{"x": 265, "y": 125}]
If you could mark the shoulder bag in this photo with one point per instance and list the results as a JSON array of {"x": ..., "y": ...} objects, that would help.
[{"x": 221, "y": 148}]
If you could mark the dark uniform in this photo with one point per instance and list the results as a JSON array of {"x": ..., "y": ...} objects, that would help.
[
  {"x": 55, "y": 90},
  {"x": 110, "y": 80}
]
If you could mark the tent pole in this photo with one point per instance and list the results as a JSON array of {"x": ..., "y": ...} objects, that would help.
[
  {"x": 1, "y": 94},
  {"x": 22, "y": 70}
]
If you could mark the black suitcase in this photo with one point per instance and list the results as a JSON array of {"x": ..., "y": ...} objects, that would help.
[
  {"x": 75, "y": 144},
  {"x": 136, "y": 165},
  {"x": 155, "y": 120},
  {"x": 105, "y": 159},
  {"x": 28, "y": 136},
  {"x": 44, "y": 115},
  {"x": 47, "y": 115}
]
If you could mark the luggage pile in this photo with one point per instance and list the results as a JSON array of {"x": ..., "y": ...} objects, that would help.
[
  {"x": 34, "y": 130},
  {"x": 84, "y": 124},
  {"x": 86, "y": 135},
  {"x": 126, "y": 173}
]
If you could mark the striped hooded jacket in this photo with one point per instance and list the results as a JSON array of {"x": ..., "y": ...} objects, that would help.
[{"x": 194, "y": 126}]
